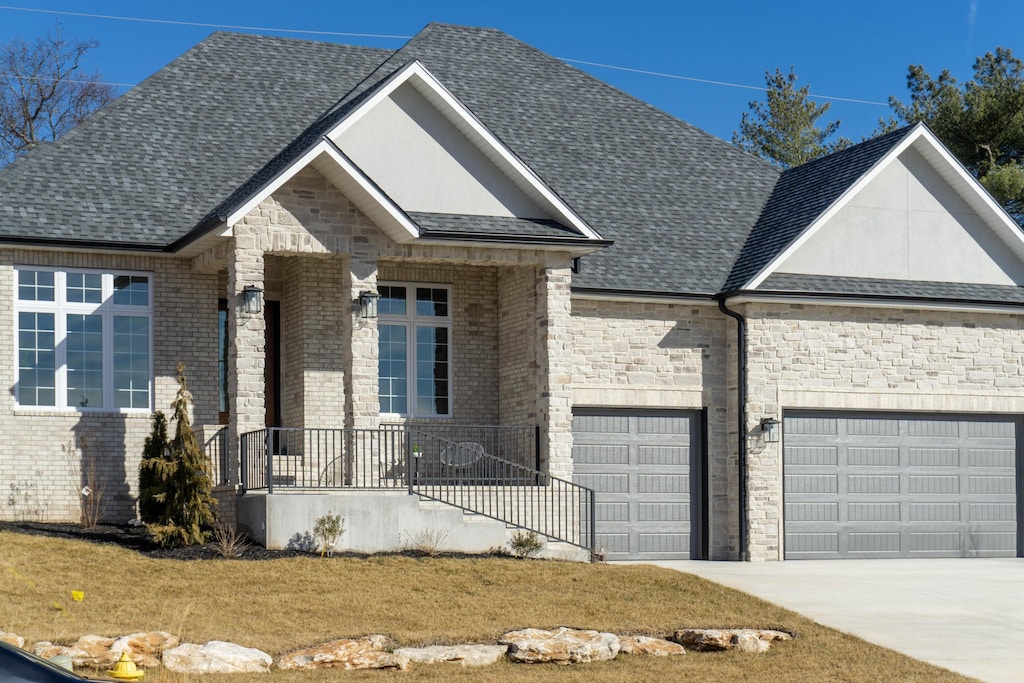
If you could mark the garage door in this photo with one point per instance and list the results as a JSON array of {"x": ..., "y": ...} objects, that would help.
[
  {"x": 639, "y": 464},
  {"x": 873, "y": 485}
]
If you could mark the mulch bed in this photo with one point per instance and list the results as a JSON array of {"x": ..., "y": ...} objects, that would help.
[{"x": 139, "y": 540}]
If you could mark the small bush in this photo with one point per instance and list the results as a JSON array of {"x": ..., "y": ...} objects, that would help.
[
  {"x": 230, "y": 541},
  {"x": 328, "y": 531},
  {"x": 428, "y": 541},
  {"x": 526, "y": 544}
]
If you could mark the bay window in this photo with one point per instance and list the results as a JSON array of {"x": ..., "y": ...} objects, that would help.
[
  {"x": 414, "y": 327},
  {"x": 84, "y": 339}
]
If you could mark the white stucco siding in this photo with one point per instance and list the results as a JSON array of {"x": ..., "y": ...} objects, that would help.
[
  {"x": 424, "y": 163},
  {"x": 908, "y": 224}
]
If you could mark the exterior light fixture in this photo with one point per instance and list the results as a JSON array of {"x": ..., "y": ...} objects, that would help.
[
  {"x": 252, "y": 299},
  {"x": 368, "y": 304},
  {"x": 771, "y": 430}
]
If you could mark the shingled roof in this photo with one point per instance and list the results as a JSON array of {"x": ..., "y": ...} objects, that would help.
[{"x": 685, "y": 213}]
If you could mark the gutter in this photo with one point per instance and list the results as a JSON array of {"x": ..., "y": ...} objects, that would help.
[{"x": 741, "y": 421}]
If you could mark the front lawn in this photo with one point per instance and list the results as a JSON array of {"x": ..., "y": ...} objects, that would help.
[{"x": 282, "y": 604}]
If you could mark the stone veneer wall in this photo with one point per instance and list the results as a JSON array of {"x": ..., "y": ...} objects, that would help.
[
  {"x": 38, "y": 479},
  {"x": 664, "y": 356},
  {"x": 817, "y": 357}
]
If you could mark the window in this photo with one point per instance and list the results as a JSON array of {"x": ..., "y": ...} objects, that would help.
[
  {"x": 414, "y": 324},
  {"x": 84, "y": 339}
]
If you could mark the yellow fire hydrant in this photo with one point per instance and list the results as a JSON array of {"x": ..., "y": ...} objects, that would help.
[{"x": 125, "y": 669}]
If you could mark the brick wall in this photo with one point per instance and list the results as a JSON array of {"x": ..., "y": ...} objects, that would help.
[
  {"x": 41, "y": 476},
  {"x": 663, "y": 355},
  {"x": 868, "y": 359}
]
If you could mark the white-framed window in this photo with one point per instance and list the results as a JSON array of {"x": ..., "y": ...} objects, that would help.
[
  {"x": 415, "y": 328},
  {"x": 85, "y": 339}
]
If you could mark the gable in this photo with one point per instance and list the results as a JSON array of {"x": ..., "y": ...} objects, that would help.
[
  {"x": 909, "y": 223},
  {"x": 425, "y": 163}
]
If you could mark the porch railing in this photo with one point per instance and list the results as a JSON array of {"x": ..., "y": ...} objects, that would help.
[{"x": 486, "y": 470}]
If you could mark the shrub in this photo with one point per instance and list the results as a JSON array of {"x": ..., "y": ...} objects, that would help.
[
  {"x": 327, "y": 530},
  {"x": 152, "y": 488},
  {"x": 526, "y": 544},
  {"x": 183, "y": 475}
]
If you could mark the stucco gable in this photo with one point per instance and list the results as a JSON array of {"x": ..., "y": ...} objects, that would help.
[{"x": 916, "y": 215}]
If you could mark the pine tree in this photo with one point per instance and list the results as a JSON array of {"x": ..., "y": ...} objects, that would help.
[
  {"x": 155, "y": 454},
  {"x": 185, "y": 476},
  {"x": 783, "y": 129},
  {"x": 980, "y": 120}
]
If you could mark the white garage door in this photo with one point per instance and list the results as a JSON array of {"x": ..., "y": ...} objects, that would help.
[
  {"x": 639, "y": 464},
  {"x": 883, "y": 485}
]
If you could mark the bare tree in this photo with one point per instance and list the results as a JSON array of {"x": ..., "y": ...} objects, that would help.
[{"x": 43, "y": 93}]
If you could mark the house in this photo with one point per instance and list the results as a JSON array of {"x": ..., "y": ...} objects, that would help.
[{"x": 466, "y": 271}]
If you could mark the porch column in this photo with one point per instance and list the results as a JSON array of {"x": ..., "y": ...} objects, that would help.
[
  {"x": 247, "y": 344},
  {"x": 361, "y": 377},
  {"x": 554, "y": 356}
]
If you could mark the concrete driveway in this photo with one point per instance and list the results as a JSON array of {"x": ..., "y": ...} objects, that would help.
[{"x": 966, "y": 615}]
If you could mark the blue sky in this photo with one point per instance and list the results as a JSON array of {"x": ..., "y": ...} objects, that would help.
[{"x": 857, "y": 49}]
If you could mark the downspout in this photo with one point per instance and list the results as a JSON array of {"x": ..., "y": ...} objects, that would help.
[{"x": 741, "y": 433}]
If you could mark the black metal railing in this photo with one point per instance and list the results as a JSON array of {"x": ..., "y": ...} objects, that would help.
[
  {"x": 465, "y": 476},
  {"x": 484, "y": 470},
  {"x": 215, "y": 447}
]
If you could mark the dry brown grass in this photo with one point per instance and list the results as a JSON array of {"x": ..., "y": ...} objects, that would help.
[{"x": 278, "y": 605}]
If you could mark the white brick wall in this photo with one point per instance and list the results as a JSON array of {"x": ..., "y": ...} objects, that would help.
[
  {"x": 38, "y": 479},
  {"x": 868, "y": 359}
]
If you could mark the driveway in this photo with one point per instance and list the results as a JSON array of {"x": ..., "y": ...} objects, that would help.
[{"x": 966, "y": 615}]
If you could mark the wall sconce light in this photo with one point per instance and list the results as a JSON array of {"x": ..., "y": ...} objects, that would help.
[
  {"x": 368, "y": 304},
  {"x": 252, "y": 299},
  {"x": 771, "y": 430}
]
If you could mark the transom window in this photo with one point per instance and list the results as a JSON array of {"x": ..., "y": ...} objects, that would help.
[
  {"x": 84, "y": 339},
  {"x": 414, "y": 324}
]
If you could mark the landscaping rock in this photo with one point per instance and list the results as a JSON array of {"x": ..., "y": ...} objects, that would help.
[
  {"x": 12, "y": 638},
  {"x": 144, "y": 649},
  {"x": 714, "y": 639},
  {"x": 216, "y": 657},
  {"x": 365, "y": 653},
  {"x": 564, "y": 646},
  {"x": 93, "y": 652},
  {"x": 644, "y": 645},
  {"x": 466, "y": 655},
  {"x": 48, "y": 650}
]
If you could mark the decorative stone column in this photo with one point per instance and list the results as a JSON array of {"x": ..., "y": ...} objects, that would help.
[
  {"x": 361, "y": 364},
  {"x": 554, "y": 376},
  {"x": 247, "y": 344}
]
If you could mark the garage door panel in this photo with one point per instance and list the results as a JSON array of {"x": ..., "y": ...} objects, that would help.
[
  {"x": 933, "y": 457},
  {"x": 812, "y": 512},
  {"x": 873, "y": 512},
  {"x": 935, "y": 512},
  {"x": 991, "y": 457},
  {"x": 607, "y": 483},
  {"x": 873, "y": 483},
  {"x": 612, "y": 512},
  {"x": 934, "y": 484},
  {"x": 992, "y": 485},
  {"x": 639, "y": 467},
  {"x": 825, "y": 455},
  {"x": 906, "y": 486},
  {"x": 663, "y": 512},
  {"x": 872, "y": 457},
  {"x": 812, "y": 483},
  {"x": 601, "y": 455},
  {"x": 874, "y": 541},
  {"x": 871, "y": 427}
]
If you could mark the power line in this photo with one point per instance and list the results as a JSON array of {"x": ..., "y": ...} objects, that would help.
[
  {"x": 710, "y": 82},
  {"x": 643, "y": 72},
  {"x": 202, "y": 25}
]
